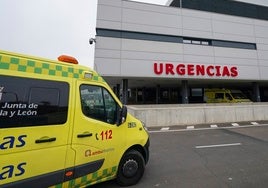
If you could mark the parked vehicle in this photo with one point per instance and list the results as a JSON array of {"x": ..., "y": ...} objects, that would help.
[
  {"x": 224, "y": 96},
  {"x": 62, "y": 126}
]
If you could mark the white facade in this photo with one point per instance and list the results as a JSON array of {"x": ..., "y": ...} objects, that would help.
[{"x": 146, "y": 62}]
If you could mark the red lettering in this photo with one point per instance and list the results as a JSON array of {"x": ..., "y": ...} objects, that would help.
[
  {"x": 218, "y": 70},
  {"x": 209, "y": 70},
  {"x": 181, "y": 69},
  {"x": 234, "y": 72},
  {"x": 190, "y": 69},
  {"x": 106, "y": 135},
  {"x": 200, "y": 70},
  {"x": 225, "y": 71},
  {"x": 169, "y": 69},
  {"x": 160, "y": 71}
]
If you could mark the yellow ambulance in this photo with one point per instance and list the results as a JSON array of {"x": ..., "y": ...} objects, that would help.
[
  {"x": 62, "y": 126},
  {"x": 216, "y": 95}
]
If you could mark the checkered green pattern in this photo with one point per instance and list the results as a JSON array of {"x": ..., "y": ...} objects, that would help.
[
  {"x": 96, "y": 177},
  {"x": 39, "y": 67}
]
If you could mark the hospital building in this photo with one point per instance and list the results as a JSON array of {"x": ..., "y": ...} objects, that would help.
[{"x": 169, "y": 54}]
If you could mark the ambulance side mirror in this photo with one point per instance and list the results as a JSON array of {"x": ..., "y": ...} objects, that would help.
[{"x": 121, "y": 115}]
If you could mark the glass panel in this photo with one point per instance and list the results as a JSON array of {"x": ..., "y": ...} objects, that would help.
[
  {"x": 97, "y": 103},
  {"x": 32, "y": 102}
]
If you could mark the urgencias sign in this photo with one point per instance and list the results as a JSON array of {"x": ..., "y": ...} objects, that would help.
[{"x": 165, "y": 68}]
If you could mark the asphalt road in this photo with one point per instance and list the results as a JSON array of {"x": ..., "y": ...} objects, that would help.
[{"x": 206, "y": 158}]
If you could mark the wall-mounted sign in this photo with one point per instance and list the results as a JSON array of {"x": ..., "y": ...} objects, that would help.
[{"x": 169, "y": 69}]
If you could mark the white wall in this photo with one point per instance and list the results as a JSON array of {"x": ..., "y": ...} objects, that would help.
[
  {"x": 171, "y": 115},
  {"x": 126, "y": 57}
]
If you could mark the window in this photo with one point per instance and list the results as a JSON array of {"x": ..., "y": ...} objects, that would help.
[
  {"x": 32, "y": 102},
  {"x": 238, "y": 95},
  {"x": 187, "y": 40},
  {"x": 196, "y": 42},
  {"x": 219, "y": 95},
  {"x": 174, "y": 39},
  {"x": 197, "y": 92},
  {"x": 228, "y": 7},
  {"x": 228, "y": 96},
  {"x": 230, "y": 44},
  {"x": 205, "y": 43},
  {"x": 97, "y": 103}
]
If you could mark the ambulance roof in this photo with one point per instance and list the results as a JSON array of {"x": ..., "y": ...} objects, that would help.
[{"x": 37, "y": 65}]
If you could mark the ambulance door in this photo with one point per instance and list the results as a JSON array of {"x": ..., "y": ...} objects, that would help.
[
  {"x": 229, "y": 97},
  {"x": 220, "y": 97},
  {"x": 33, "y": 131},
  {"x": 95, "y": 128}
]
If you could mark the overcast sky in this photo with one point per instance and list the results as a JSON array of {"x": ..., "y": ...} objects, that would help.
[{"x": 49, "y": 28}]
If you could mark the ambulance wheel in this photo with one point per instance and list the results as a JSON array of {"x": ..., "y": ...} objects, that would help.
[{"x": 131, "y": 168}]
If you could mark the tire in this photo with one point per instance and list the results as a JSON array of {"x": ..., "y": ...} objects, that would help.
[{"x": 131, "y": 168}]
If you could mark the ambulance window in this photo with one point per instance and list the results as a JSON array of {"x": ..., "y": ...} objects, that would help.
[
  {"x": 32, "y": 102},
  {"x": 97, "y": 103},
  {"x": 228, "y": 96},
  {"x": 219, "y": 96}
]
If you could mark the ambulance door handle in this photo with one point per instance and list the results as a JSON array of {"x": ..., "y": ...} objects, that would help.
[
  {"x": 45, "y": 139},
  {"x": 83, "y": 135}
]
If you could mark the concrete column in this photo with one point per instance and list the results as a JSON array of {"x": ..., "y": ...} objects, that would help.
[
  {"x": 125, "y": 91},
  {"x": 184, "y": 92},
  {"x": 143, "y": 95},
  {"x": 136, "y": 93},
  {"x": 117, "y": 90},
  {"x": 256, "y": 92},
  {"x": 114, "y": 90},
  {"x": 157, "y": 94},
  {"x": 169, "y": 94}
]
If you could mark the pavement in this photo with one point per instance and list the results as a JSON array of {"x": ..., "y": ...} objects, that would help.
[{"x": 208, "y": 126}]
